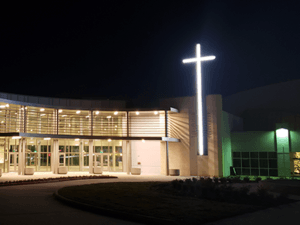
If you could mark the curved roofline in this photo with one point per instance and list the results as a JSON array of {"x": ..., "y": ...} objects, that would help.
[{"x": 67, "y": 103}]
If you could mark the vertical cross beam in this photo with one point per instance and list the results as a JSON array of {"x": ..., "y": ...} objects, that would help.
[{"x": 198, "y": 60}]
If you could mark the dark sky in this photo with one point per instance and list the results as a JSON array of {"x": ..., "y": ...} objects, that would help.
[{"x": 134, "y": 49}]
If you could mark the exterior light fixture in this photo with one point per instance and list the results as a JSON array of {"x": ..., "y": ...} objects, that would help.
[
  {"x": 60, "y": 111},
  {"x": 42, "y": 109},
  {"x": 87, "y": 116},
  {"x": 77, "y": 139},
  {"x": 143, "y": 140},
  {"x": 109, "y": 140},
  {"x": 46, "y": 139},
  {"x": 116, "y": 126},
  {"x": 115, "y": 113},
  {"x": 77, "y": 112},
  {"x": 282, "y": 133},
  {"x": 137, "y": 113},
  {"x": 2, "y": 121},
  {"x": 16, "y": 137},
  {"x": 43, "y": 114},
  {"x": 198, "y": 59},
  {"x": 155, "y": 113},
  {"x": 2, "y": 106},
  {"x": 108, "y": 117},
  {"x": 7, "y": 105},
  {"x": 97, "y": 112},
  {"x": 64, "y": 115}
]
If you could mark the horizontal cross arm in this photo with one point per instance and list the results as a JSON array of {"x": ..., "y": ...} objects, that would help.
[{"x": 206, "y": 58}]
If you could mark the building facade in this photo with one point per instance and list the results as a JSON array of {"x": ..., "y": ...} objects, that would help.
[{"x": 48, "y": 134}]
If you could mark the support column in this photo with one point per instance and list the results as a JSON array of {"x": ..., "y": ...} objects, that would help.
[
  {"x": 214, "y": 136},
  {"x": 81, "y": 155},
  {"x": 55, "y": 158},
  {"x": 91, "y": 152},
  {"x": 167, "y": 143},
  {"x": 128, "y": 149}
]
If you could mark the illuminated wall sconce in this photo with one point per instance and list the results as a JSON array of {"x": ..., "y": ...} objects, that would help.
[
  {"x": 64, "y": 115},
  {"x": 42, "y": 109},
  {"x": 282, "y": 133},
  {"x": 116, "y": 113},
  {"x": 46, "y": 139},
  {"x": 97, "y": 112},
  {"x": 77, "y": 139},
  {"x": 109, "y": 140},
  {"x": 16, "y": 137},
  {"x": 155, "y": 113},
  {"x": 43, "y": 114},
  {"x": 137, "y": 113},
  {"x": 143, "y": 140},
  {"x": 108, "y": 117},
  {"x": 77, "y": 112},
  {"x": 60, "y": 111},
  {"x": 7, "y": 105}
]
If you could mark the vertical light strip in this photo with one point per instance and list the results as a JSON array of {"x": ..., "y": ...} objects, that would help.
[
  {"x": 199, "y": 101},
  {"x": 198, "y": 60}
]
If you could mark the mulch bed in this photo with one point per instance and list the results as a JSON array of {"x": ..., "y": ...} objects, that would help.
[{"x": 49, "y": 180}]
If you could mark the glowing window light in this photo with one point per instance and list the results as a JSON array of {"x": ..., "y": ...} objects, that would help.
[
  {"x": 42, "y": 109},
  {"x": 2, "y": 106},
  {"x": 77, "y": 139},
  {"x": 77, "y": 112},
  {"x": 60, "y": 111},
  {"x": 116, "y": 113},
  {"x": 97, "y": 112},
  {"x": 47, "y": 139},
  {"x": 198, "y": 60},
  {"x": 155, "y": 113},
  {"x": 16, "y": 137},
  {"x": 282, "y": 133},
  {"x": 137, "y": 113}
]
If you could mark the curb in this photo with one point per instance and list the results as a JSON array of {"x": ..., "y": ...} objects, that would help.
[{"x": 113, "y": 213}]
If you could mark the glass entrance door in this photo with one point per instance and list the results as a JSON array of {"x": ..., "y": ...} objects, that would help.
[
  {"x": 102, "y": 160},
  {"x": 13, "y": 161}
]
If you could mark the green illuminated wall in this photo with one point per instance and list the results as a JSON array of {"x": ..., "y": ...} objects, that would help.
[
  {"x": 226, "y": 144},
  {"x": 253, "y": 141}
]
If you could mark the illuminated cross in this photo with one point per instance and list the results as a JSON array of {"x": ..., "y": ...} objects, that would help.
[{"x": 198, "y": 60}]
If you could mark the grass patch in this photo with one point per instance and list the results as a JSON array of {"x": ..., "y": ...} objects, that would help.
[{"x": 155, "y": 199}]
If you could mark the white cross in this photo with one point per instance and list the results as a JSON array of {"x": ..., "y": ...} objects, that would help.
[{"x": 198, "y": 60}]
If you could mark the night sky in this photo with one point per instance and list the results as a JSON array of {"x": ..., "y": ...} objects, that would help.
[{"x": 134, "y": 49}]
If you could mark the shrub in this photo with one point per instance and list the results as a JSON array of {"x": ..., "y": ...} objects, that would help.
[
  {"x": 236, "y": 179},
  {"x": 258, "y": 179},
  {"x": 223, "y": 180},
  {"x": 246, "y": 179},
  {"x": 194, "y": 180},
  {"x": 216, "y": 180}
]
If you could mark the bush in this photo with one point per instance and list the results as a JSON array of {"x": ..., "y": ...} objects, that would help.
[
  {"x": 236, "y": 180},
  {"x": 258, "y": 179},
  {"x": 223, "y": 180},
  {"x": 246, "y": 179}
]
